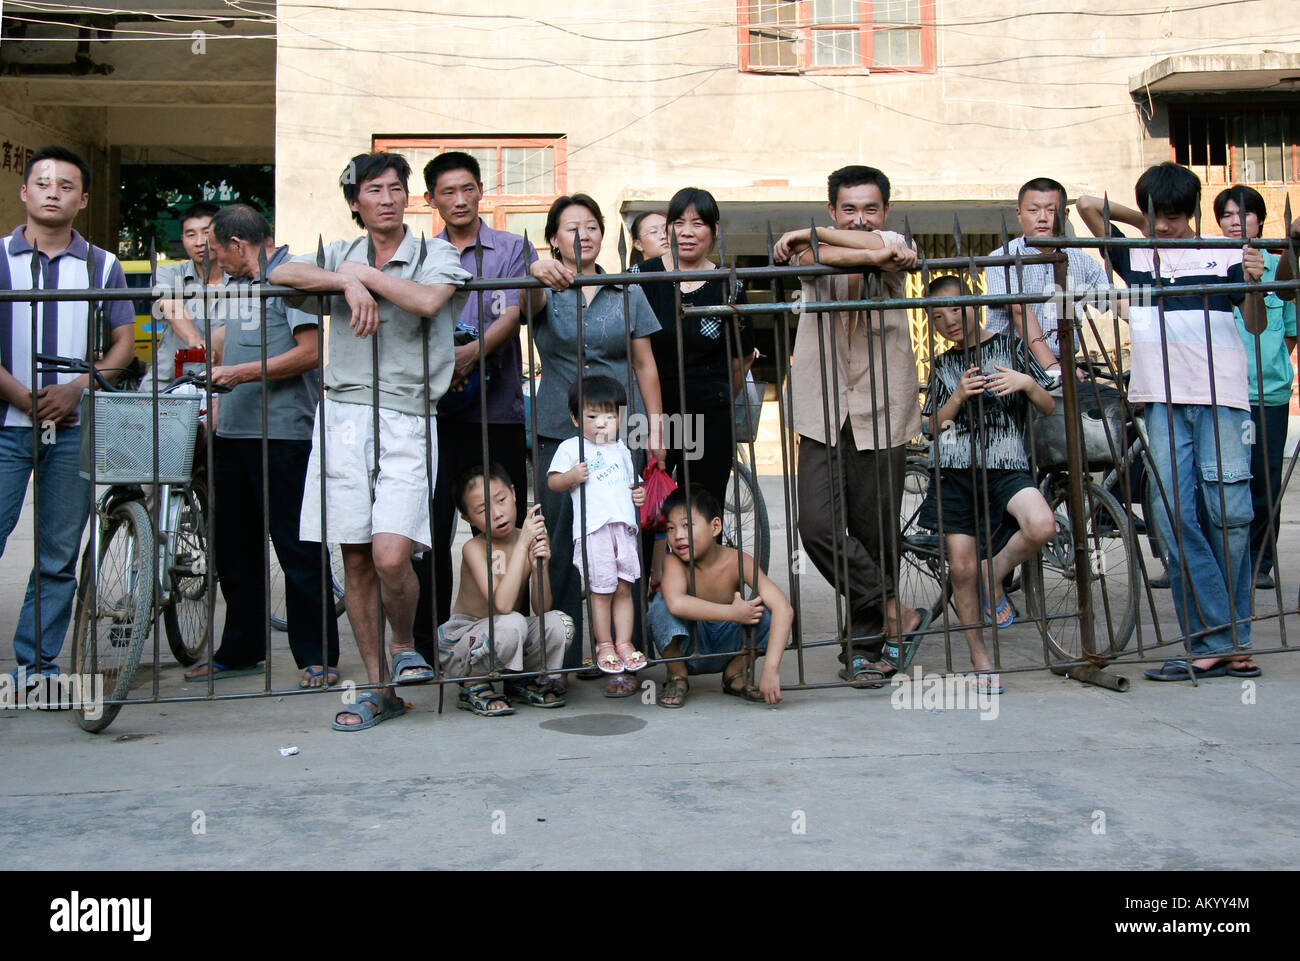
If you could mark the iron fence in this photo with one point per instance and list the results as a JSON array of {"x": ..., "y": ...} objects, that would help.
[{"x": 1087, "y": 593}]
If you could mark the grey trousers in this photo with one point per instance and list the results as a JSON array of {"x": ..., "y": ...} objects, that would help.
[{"x": 863, "y": 491}]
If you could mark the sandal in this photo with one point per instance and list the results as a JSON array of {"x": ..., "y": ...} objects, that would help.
[
  {"x": 411, "y": 659},
  {"x": 988, "y": 684},
  {"x": 310, "y": 674},
  {"x": 535, "y": 694},
  {"x": 608, "y": 661},
  {"x": 589, "y": 671},
  {"x": 676, "y": 688},
  {"x": 372, "y": 708},
  {"x": 636, "y": 661},
  {"x": 1244, "y": 667},
  {"x": 479, "y": 698},
  {"x": 863, "y": 673},
  {"x": 621, "y": 685},
  {"x": 1004, "y": 614},
  {"x": 746, "y": 692}
]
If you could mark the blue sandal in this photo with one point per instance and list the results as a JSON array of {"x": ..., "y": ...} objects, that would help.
[
  {"x": 407, "y": 659},
  {"x": 373, "y": 708}
]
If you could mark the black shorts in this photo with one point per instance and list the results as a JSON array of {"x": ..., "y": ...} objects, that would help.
[{"x": 963, "y": 503}]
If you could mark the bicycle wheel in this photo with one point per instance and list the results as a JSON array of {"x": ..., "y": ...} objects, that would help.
[
  {"x": 1051, "y": 590},
  {"x": 112, "y": 621},
  {"x": 755, "y": 535},
  {"x": 921, "y": 581},
  {"x": 186, "y": 615},
  {"x": 279, "y": 619}
]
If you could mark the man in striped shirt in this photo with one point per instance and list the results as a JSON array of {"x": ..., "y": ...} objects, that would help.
[
  {"x": 1189, "y": 369},
  {"x": 55, "y": 188}
]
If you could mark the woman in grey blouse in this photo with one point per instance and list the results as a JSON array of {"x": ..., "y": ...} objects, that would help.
[{"x": 576, "y": 222}]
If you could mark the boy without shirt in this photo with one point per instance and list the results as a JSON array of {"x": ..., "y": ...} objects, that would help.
[
  {"x": 522, "y": 643},
  {"x": 715, "y": 604}
]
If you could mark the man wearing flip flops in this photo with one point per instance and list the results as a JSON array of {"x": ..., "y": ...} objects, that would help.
[
  {"x": 386, "y": 283},
  {"x": 242, "y": 245},
  {"x": 851, "y": 470}
]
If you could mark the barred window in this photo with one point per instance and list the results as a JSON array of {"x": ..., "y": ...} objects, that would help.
[{"x": 1237, "y": 144}]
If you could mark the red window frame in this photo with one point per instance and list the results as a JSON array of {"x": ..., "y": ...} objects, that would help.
[
  {"x": 495, "y": 205},
  {"x": 803, "y": 26}
]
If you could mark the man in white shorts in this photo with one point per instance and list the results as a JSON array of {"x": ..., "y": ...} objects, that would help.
[{"x": 379, "y": 518}]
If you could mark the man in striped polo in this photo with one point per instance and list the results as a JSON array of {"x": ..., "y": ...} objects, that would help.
[{"x": 55, "y": 188}]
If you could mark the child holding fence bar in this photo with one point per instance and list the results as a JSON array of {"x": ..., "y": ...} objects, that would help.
[
  {"x": 978, "y": 401},
  {"x": 713, "y": 602},
  {"x": 522, "y": 643},
  {"x": 1189, "y": 368},
  {"x": 603, "y": 483}
]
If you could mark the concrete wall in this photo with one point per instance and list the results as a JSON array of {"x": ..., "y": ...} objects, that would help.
[
  {"x": 650, "y": 98},
  {"x": 81, "y": 129}
]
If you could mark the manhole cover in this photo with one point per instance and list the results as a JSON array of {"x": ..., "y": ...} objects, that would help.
[{"x": 595, "y": 725}]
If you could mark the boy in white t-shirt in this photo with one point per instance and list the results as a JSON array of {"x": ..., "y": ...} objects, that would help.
[
  {"x": 596, "y": 468},
  {"x": 1189, "y": 369}
]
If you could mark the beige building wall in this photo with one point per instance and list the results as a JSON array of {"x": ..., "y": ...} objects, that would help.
[{"x": 650, "y": 99}]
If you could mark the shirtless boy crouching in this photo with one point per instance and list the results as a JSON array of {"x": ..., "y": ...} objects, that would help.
[
  {"x": 725, "y": 623},
  {"x": 522, "y": 643}
]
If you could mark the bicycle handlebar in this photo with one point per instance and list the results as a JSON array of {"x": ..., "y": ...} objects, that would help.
[{"x": 77, "y": 365}]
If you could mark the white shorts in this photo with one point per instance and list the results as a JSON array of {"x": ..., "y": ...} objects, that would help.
[{"x": 358, "y": 503}]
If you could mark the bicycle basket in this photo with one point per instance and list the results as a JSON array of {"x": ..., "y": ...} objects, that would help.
[
  {"x": 123, "y": 444},
  {"x": 749, "y": 408},
  {"x": 1103, "y": 425}
]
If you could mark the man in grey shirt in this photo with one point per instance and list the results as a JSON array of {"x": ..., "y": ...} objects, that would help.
[
  {"x": 377, "y": 500},
  {"x": 286, "y": 398},
  {"x": 186, "y": 322}
]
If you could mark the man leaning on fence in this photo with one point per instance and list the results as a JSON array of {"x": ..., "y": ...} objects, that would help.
[
  {"x": 377, "y": 496},
  {"x": 850, "y": 484},
  {"x": 1040, "y": 206},
  {"x": 242, "y": 245},
  {"x": 1189, "y": 368},
  {"x": 56, "y": 186}
]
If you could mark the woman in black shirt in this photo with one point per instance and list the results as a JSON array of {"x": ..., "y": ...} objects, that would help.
[{"x": 712, "y": 374}]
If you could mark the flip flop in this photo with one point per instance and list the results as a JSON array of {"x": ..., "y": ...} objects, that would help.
[
  {"x": 990, "y": 615},
  {"x": 1234, "y": 671},
  {"x": 372, "y": 708},
  {"x": 409, "y": 658},
  {"x": 1177, "y": 671},
  {"x": 911, "y": 642},
  {"x": 310, "y": 672},
  {"x": 609, "y": 662},
  {"x": 984, "y": 684},
  {"x": 220, "y": 670},
  {"x": 636, "y": 662}
]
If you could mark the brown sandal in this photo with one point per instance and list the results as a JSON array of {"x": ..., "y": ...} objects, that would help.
[{"x": 674, "y": 687}]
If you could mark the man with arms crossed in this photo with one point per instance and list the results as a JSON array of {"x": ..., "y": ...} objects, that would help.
[
  {"x": 872, "y": 417},
  {"x": 378, "y": 532}
]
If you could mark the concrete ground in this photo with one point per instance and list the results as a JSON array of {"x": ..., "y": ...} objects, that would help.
[{"x": 1065, "y": 776}]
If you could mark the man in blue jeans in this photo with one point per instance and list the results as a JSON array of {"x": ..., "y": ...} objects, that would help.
[
  {"x": 56, "y": 184},
  {"x": 1198, "y": 417}
]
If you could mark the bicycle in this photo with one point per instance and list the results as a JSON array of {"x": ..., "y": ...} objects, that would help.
[
  {"x": 1049, "y": 581},
  {"x": 279, "y": 619},
  {"x": 128, "y": 562}
]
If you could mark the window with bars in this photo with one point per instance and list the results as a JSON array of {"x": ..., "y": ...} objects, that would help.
[
  {"x": 1237, "y": 144},
  {"x": 521, "y": 176},
  {"x": 836, "y": 36}
]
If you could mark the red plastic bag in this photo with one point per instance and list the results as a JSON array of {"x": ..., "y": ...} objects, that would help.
[{"x": 658, "y": 485}]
